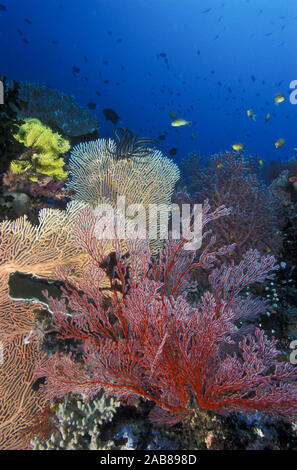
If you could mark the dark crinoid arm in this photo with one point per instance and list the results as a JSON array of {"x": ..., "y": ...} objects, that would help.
[{"x": 128, "y": 145}]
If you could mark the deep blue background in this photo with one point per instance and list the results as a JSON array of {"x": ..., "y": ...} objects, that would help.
[{"x": 234, "y": 40}]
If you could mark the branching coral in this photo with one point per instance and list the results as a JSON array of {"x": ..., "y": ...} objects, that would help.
[{"x": 78, "y": 424}]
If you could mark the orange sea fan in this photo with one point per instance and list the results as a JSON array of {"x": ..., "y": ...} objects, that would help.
[{"x": 36, "y": 250}]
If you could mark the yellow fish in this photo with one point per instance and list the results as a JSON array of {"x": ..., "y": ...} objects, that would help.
[
  {"x": 279, "y": 98},
  {"x": 220, "y": 165},
  {"x": 180, "y": 122},
  {"x": 279, "y": 143},
  {"x": 238, "y": 146},
  {"x": 267, "y": 117},
  {"x": 261, "y": 163},
  {"x": 251, "y": 114},
  {"x": 172, "y": 114}
]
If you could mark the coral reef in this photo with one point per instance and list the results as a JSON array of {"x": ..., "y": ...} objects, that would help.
[
  {"x": 125, "y": 320},
  {"x": 233, "y": 179},
  {"x": 158, "y": 347}
]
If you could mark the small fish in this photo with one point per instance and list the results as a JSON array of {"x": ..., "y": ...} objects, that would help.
[
  {"x": 180, "y": 122},
  {"x": 261, "y": 163},
  {"x": 111, "y": 115},
  {"x": 75, "y": 69},
  {"x": 173, "y": 151},
  {"x": 2, "y": 7},
  {"x": 172, "y": 114},
  {"x": 279, "y": 143},
  {"x": 237, "y": 146},
  {"x": 220, "y": 165},
  {"x": 251, "y": 114},
  {"x": 91, "y": 105},
  {"x": 192, "y": 136},
  {"x": 267, "y": 117},
  {"x": 279, "y": 98},
  {"x": 293, "y": 179},
  {"x": 28, "y": 21}
]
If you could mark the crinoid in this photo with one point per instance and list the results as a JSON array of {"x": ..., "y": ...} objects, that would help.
[{"x": 128, "y": 145}]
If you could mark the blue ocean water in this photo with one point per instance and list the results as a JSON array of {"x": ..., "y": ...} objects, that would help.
[{"x": 209, "y": 61}]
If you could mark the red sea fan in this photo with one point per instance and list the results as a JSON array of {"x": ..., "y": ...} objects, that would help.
[
  {"x": 152, "y": 343},
  {"x": 234, "y": 179}
]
